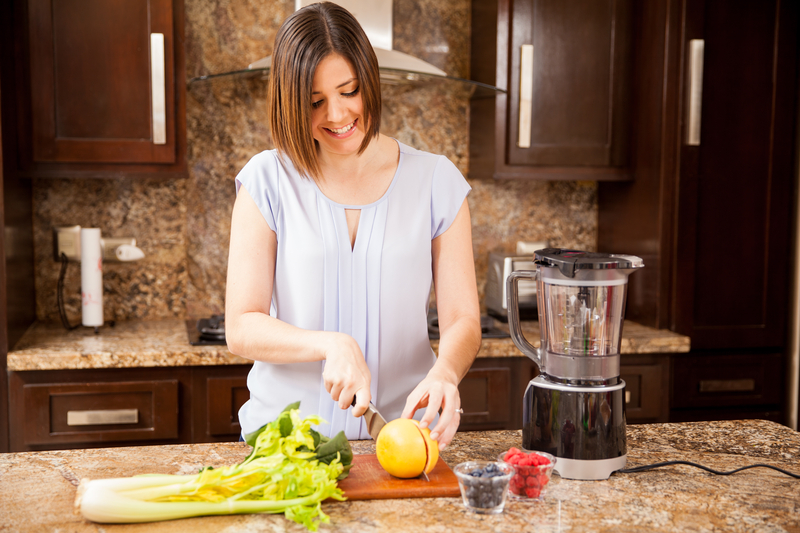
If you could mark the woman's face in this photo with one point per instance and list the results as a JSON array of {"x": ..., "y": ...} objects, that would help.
[{"x": 337, "y": 120}]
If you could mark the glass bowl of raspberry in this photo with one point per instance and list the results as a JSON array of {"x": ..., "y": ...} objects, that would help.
[{"x": 532, "y": 471}]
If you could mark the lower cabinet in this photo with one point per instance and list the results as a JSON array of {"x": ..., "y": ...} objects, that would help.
[
  {"x": 125, "y": 407},
  {"x": 491, "y": 393},
  {"x": 493, "y": 389},
  {"x": 218, "y": 394},
  {"x": 646, "y": 388},
  {"x": 141, "y": 406}
]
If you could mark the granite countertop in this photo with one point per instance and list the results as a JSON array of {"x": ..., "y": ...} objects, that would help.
[
  {"x": 138, "y": 343},
  {"x": 37, "y": 489}
]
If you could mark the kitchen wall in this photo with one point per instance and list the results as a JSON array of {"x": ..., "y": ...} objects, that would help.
[{"x": 183, "y": 225}]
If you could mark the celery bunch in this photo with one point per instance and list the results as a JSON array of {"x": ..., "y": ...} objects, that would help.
[{"x": 291, "y": 470}]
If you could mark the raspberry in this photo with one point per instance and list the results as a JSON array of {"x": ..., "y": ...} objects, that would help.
[{"x": 532, "y": 492}]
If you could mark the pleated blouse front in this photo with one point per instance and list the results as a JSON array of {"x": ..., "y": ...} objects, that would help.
[{"x": 377, "y": 291}]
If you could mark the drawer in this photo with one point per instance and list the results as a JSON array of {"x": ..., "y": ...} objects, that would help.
[
  {"x": 706, "y": 380},
  {"x": 108, "y": 412}
]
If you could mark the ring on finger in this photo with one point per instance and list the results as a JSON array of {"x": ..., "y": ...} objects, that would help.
[{"x": 460, "y": 411}]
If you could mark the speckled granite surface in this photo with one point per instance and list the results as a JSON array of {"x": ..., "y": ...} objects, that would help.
[
  {"x": 636, "y": 339},
  {"x": 139, "y": 343},
  {"x": 183, "y": 226},
  {"x": 129, "y": 344},
  {"x": 674, "y": 499}
]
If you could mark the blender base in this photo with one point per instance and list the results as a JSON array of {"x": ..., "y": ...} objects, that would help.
[
  {"x": 589, "y": 469},
  {"x": 582, "y": 426}
]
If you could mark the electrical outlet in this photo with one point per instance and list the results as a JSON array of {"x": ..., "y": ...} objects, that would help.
[
  {"x": 67, "y": 240},
  {"x": 110, "y": 245}
]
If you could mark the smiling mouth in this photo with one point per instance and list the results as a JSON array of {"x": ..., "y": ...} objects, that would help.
[{"x": 340, "y": 131}]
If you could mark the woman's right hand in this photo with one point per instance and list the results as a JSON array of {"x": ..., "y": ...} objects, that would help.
[{"x": 346, "y": 374}]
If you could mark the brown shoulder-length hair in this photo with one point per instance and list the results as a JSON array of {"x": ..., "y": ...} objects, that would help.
[{"x": 307, "y": 37}]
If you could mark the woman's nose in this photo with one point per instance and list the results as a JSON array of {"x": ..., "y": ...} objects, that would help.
[{"x": 336, "y": 110}]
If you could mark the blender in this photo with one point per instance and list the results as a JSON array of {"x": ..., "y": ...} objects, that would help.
[{"x": 575, "y": 408}]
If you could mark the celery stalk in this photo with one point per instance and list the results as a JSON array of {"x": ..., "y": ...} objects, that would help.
[{"x": 291, "y": 470}]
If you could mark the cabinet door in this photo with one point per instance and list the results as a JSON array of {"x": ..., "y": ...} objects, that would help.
[
  {"x": 646, "y": 388},
  {"x": 102, "y": 81},
  {"x": 491, "y": 393},
  {"x": 577, "y": 79},
  {"x": 218, "y": 393},
  {"x": 737, "y": 172},
  {"x": 566, "y": 66}
]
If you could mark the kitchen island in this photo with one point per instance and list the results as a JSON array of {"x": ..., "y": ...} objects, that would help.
[{"x": 37, "y": 489}]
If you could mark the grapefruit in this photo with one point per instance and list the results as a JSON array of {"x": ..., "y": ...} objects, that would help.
[{"x": 405, "y": 450}]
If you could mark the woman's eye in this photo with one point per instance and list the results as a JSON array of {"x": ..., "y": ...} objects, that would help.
[
  {"x": 316, "y": 104},
  {"x": 353, "y": 93}
]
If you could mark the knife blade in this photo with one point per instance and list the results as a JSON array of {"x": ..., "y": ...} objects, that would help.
[{"x": 373, "y": 419}]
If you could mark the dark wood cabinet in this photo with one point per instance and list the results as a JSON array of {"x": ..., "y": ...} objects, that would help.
[
  {"x": 218, "y": 394},
  {"x": 491, "y": 393},
  {"x": 103, "y": 88},
  {"x": 125, "y": 407},
  {"x": 710, "y": 208},
  {"x": 567, "y": 71},
  {"x": 647, "y": 391},
  {"x": 493, "y": 390},
  {"x": 92, "y": 408},
  {"x": 737, "y": 178},
  {"x": 17, "y": 294}
]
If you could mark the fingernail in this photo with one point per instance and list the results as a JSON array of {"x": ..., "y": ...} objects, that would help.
[{"x": 442, "y": 446}]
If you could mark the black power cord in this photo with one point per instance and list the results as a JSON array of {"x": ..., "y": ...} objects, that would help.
[
  {"x": 635, "y": 469},
  {"x": 60, "y": 294}
]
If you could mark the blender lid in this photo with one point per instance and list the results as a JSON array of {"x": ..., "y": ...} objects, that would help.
[{"x": 570, "y": 261}]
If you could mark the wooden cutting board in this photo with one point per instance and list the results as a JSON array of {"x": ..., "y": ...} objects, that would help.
[{"x": 369, "y": 481}]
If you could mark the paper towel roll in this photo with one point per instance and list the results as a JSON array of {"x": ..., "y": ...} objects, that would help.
[{"x": 91, "y": 277}]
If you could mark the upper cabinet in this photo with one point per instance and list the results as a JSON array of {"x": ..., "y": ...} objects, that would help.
[
  {"x": 104, "y": 88},
  {"x": 566, "y": 66}
]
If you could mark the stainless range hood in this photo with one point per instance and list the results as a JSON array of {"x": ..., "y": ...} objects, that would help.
[
  {"x": 375, "y": 16},
  {"x": 396, "y": 67}
]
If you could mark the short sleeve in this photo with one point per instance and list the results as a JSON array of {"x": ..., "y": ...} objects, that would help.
[
  {"x": 448, "y": 190},
  {"x": 260, "y": 178}
]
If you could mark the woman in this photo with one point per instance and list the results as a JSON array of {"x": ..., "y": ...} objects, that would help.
[{"x": 336, "y": 237}]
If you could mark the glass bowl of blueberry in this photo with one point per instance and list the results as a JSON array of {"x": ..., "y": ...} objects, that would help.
[
  {"x": 532, "y": 471},
  {"x": 484, "y": 485}
]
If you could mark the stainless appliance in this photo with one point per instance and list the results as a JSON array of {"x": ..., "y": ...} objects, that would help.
[
  {"x": 207, "y": 331},
  {"x": 495, "y": 296},
  {"x": 575, "y": 409}
]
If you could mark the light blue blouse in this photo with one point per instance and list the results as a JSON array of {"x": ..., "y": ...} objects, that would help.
[{"x": 377, "y": 292}]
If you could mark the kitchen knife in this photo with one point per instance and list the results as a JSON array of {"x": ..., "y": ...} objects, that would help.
[{"x": 373, "y": 419}]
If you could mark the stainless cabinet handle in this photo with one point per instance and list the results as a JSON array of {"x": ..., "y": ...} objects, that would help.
[
  {"x": 694, "y": 107},
  {"x": 525, "y": 95},
  {"x": 104, "y": 417},
  {"x": 158, "y": 83},
  {"x": 727, "y": 385}
]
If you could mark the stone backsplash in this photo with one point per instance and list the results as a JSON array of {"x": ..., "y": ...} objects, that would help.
[{"x": 183, "y": 225}]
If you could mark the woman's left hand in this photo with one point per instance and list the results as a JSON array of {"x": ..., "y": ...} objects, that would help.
[{"x": 435, "y": 392}]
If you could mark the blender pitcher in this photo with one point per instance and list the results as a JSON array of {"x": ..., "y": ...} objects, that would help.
[{"x": 575, "y": 408}]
